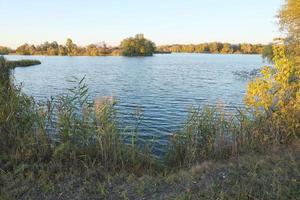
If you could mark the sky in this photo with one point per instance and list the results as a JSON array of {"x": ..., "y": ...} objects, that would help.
[{"x": 162, "y": 21}]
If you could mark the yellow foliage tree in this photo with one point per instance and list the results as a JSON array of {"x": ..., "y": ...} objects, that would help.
[{"x": 276, "y": 95}]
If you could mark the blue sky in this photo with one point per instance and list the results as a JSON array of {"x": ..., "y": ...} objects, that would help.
[{"x": 163, "y": 21}]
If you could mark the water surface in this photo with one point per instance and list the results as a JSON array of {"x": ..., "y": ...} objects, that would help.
[{"x": 164, "y": 87}]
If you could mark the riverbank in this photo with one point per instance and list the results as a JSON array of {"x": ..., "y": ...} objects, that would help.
[{"x": 270, "y": 175}]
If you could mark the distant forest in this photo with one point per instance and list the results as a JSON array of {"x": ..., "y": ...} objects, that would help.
[
  {"x": 213, "y": 47},
  {"x": 101, "y": 49},
  {"x": 55, "y": 49}
]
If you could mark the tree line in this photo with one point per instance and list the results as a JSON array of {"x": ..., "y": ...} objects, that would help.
[
  {"x": 133, "y": 46},
  {"x": 69, "y": 49},
  {"x": 213, "y": 47}
]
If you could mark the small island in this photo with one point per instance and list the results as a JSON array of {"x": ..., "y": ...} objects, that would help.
[{"x": 137, "y": 46}]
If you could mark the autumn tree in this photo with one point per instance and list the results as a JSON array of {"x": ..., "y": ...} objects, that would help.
[
  {"x": 137, "y": 46},
  {"x": 71, "y": 48},
  {"x": 26, "y": 49},
  {"x": 226, "y": 48},
  {"x": 289, "y": 18},
  {"x": 276, "y": 95},
  {"x": 4, "y": 50}
]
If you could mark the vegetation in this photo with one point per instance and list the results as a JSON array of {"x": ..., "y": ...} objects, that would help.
[
  {"x": 72, "y": 148},
  {"x": 22, "y": 63},
  {"x": 214, "y": 47},
  {"x": 269, "y": 176},
  {"x": 69, "y": 49},
  {"x": 77, "y": 143},
  {"x": 4, "y": 50},
  {"x": 267, "y": 53},
  {"x": 137, "y": 46},
  {"x": 134, "y": 46},
  {"x": 289, "y": 17}
]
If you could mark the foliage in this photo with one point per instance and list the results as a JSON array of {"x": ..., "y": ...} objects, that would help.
[
  {"x": 4, "y": 50},
  {"x": 268, "y": 53},
  {"x": 26, "y": 49},
  {"x": 69, "y": 49},
  {"x": 275, "y": 97},
  {"x": 289, "y": 18},
  {"x": 214, "y": 47},
  {"x": 137, "y": 46},
  {"x": 277, "y": 94}
]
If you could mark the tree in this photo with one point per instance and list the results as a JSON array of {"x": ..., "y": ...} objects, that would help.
[
  {"x": 246, "y": 48},
  {"x": 92, "y": 50},
  {"x": 226, "y": 48},
  {"x": 4, "y": 50},
  {"x": 51, "y": 51},
  {"x": 62, "y": 50},
  {"x": 289, "y": 18},
  {"x": 215, "y": 47},
  {"x": 137, "y": 46},
  {"x": 71, "y": 48},
  {"x": 26, "y": 49},
  {"x": 276, "y": 95}
]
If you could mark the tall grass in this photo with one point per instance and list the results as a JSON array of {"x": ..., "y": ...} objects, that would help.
[
  {"x": 72, "y": 131},
  {"x": 75, "y": 131},
  {"x": 210, "y": 133}
]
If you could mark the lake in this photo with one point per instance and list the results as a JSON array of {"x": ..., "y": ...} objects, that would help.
[{"x": 163, "y": 87}]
